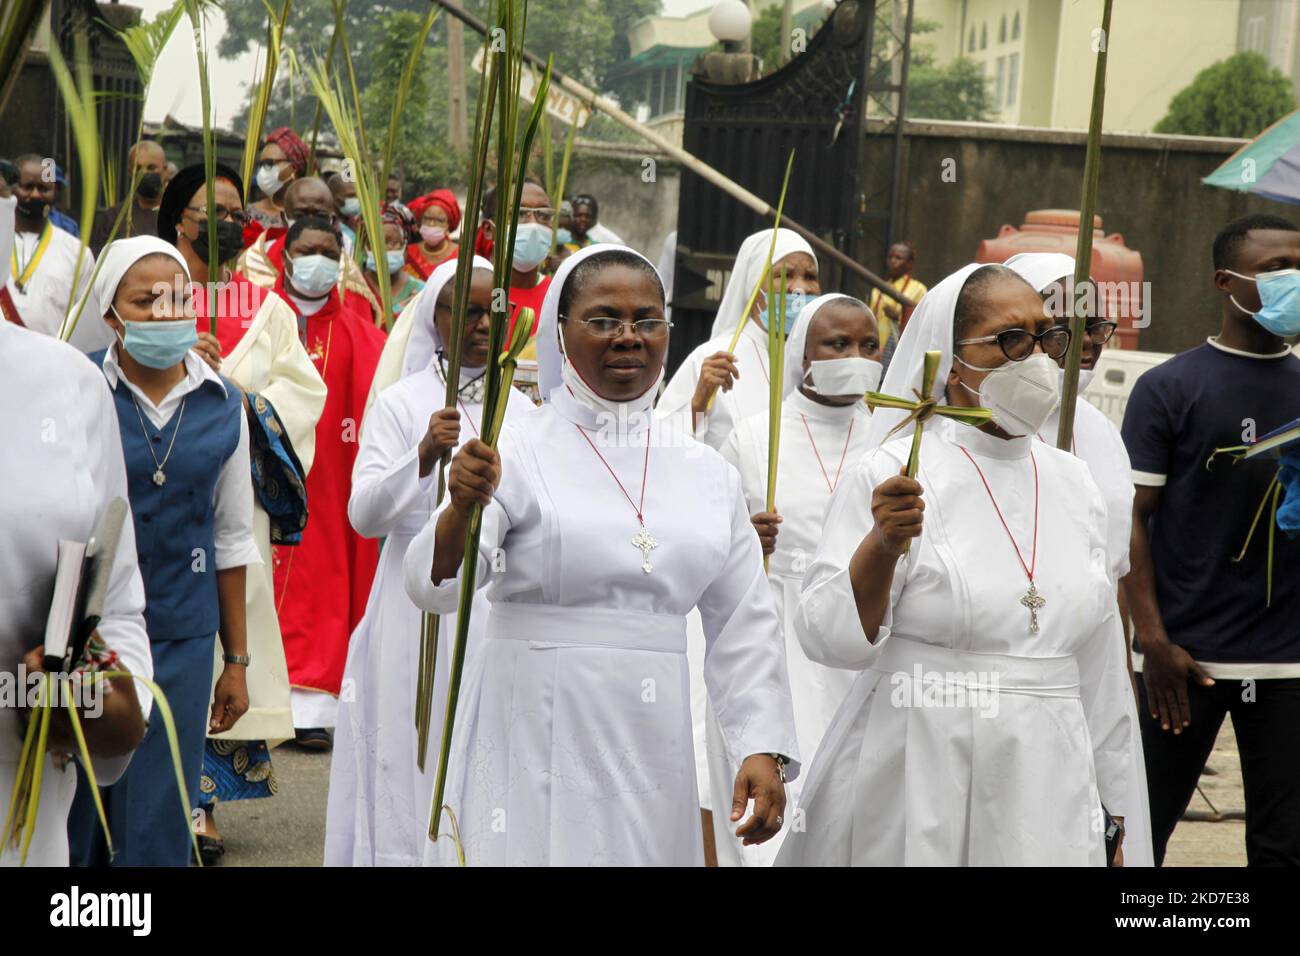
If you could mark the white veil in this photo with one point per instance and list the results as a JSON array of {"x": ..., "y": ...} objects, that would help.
[
  {"x": 796, "y": 342},
  {"x": 748, "y": 268},
  {"x": 928, "y": 330},
  {"x": 550, "y": 361}
]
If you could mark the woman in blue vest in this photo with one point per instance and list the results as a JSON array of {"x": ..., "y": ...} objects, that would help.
[{"x": 185, "y": 440}]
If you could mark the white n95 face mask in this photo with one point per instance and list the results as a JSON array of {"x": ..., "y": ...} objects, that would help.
[
  {"x": 1021, "y": 395},
  {"x": 833, "y": 378},
  {"x": 1085, "y": 378}
]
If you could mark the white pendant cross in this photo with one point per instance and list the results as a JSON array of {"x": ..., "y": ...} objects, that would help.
[
  {"x": 1033, "y": 600},
  {"x": 644, "y": 542}
]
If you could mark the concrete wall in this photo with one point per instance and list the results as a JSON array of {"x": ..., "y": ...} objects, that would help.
[
  {"x": 636, "y": 187},
  {"x": 1149, "y": 191}
]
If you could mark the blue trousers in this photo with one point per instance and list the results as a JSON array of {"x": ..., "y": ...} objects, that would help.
[{"x": 150, "y": 826}]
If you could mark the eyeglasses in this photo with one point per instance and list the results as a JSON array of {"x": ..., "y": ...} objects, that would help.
[
  {"x": 1017, "y": 344},
  {"x": 603, "y": 327},
  {"x": 1100, "y": 332},
  {"x": 539, "y": 215},
  {"x": 224, "y": 213},
  {"x": 473, "y": 315}
]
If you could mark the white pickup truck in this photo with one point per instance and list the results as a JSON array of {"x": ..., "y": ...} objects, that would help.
[{"x": 1116, "y": 373}]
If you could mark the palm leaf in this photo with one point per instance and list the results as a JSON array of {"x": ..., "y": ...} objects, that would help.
[
  {"x": 18, "y": 20},
  {"x": 511, "y": 20},
  {"x": 429, "y": 623},
  {"x": 197, "y": 11},
  {"x": 767, "y": 267},
  {"x": 79, "y": 103},
  {"x": 347, "y": 126},
  {"x": 258, "y": 107},
  {"x": 403, "y": 90}
]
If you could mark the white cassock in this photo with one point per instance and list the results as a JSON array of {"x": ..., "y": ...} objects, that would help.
[
  {"x": 750, "y": 392},
  {"x": 64, "y": 466},
  {"x": 378, "y": 809},
  {"x": 966, "y": 739},
  {"x": 43, "y": 302},
  {"x": 576, "y": 747},
  {"x": 1098, "y": 443},
  {"x": 813, "y": 437},
  {"x": 271, "y": 361}
]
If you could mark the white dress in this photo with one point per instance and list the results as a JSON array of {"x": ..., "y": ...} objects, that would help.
[
  {"x": 64, "y": 466},
  {"x": 270, "y": 361},
  {"x": 838, "y": 436},
  {"x": 965, "y": 739},
  {"x": 749, "y": 395},
  {"x": 576, "y": 748},
  {"x": 1098, "y": 443},
  {"x": 378, "y": 808}
]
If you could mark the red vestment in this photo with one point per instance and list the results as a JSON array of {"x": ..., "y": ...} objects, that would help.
[{"x": 322, "y": 584}]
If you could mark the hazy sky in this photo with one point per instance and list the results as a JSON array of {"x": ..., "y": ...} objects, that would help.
[{"x": 176, "y": 85}]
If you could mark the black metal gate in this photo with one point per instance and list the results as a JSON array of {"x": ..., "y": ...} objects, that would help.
[
  {"x": 816, "y": 105},
  {"x": 35, "y": 120}
]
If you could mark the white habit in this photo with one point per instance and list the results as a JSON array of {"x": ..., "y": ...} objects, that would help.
[
  {"x": 1097, "y": 441},
  {"x": 575, "y": 747},
  {"x": 378, "y": 808},
  {"x": 966, "y": 739}
]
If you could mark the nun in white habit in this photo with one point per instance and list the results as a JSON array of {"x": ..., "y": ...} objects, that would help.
[
  {"x": 744, "y": 373},
  {"x": 985, "y": 725},
  {"x": 831, "y": 359},
  {"x": 378, "y": 808},
  {"x": 605, "y": 527},
  {"x": 1097, "y": 441},
  {"x": 65, "y": 468}
]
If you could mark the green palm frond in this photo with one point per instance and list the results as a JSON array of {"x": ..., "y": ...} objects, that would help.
[
  {"x": 261, "y": 102},
  {"x": 79, "y": 104},
  {"x": 403, "y": 90},
  {"x": 146, "y": 39},
  {"x": 18, "y": 20}
]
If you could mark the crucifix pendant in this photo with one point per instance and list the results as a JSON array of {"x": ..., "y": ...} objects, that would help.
[
  {"x": 1033, "y": 600},
  {"x": 159, "y": 478},
  {"x": 644, "y": 542}
]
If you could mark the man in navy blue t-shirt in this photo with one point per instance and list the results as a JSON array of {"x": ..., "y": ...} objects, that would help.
[{"x": 1211, "y": 640}]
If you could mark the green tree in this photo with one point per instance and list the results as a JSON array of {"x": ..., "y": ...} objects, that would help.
[
  {"x": 958, "y": 90},
  {"x": 1238, "y": 97}
]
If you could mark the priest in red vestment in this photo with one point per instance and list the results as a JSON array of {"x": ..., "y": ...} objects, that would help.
[{"x": 321, "y": 586}]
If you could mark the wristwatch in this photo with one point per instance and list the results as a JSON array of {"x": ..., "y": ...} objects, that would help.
[
  {"x": 780, "y": 765},
  {"x": 244, "y": 659}
]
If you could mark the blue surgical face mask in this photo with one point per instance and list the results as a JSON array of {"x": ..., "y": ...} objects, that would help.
[
  {"x": 532, "y": 244},
  {"x": 563, "y": 237},
  {"x": 1279, "y": 296},
  {"x": 351, "y": 207},
  {"x": 314, "y": 276},
  {"x": 794, "y": 303},
  {"x": 160, "y": 344},
  {"x": 396, "y": 259}
]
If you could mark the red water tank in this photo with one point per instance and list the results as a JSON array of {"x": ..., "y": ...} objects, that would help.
[{"x": 1116, "y": 267}]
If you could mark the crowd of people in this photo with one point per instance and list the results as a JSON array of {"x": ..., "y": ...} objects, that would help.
[{"x": 1008, "y": 655}]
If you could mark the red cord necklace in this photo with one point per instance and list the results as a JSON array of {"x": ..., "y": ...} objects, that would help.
[
  {"x": 643, "y": 541},
  {"x": 1032, "y": 599},
  {"x": 829, "y": 484}
]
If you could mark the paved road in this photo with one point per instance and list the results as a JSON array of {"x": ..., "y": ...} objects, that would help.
[{"x": 289, "y": 828}]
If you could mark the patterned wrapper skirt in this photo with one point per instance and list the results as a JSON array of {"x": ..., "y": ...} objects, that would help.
[{"x": 236, "y": 770}]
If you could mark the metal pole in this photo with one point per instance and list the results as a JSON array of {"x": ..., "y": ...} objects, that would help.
[{"x": 702, "y": 169}]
